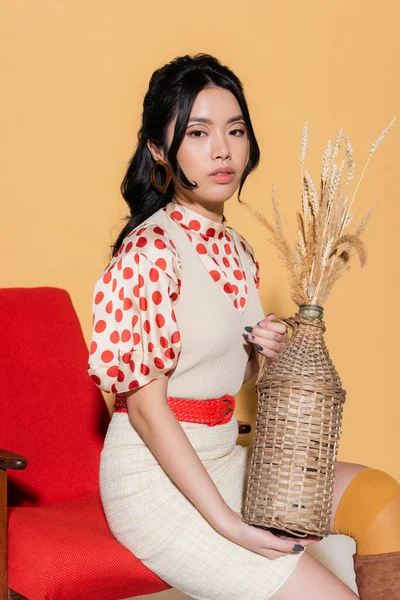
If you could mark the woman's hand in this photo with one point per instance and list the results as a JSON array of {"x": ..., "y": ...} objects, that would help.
[
  {"x": 269, "y": 338},
  {"x": 260, "y": 540}
]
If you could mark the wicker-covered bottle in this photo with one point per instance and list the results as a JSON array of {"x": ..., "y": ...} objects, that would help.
[{"x": 298, "y": 426}]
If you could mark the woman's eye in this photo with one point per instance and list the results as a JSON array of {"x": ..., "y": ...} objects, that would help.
[
  {"x": 195, "y": 131},
  {"x": 198, "y": 131}
]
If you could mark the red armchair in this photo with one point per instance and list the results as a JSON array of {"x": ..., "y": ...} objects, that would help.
[{"x": 59, "y": 543}]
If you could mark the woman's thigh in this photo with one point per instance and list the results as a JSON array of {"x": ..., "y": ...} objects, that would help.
[{"x": 311, "y": 580}]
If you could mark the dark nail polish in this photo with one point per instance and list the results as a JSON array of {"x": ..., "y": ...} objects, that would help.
[
  {"x": 298, "y": 548},
  {"x": 248, "y": 328},
  {"x": 259, "y": 347}
]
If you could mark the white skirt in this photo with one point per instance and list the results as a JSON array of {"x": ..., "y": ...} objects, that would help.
[{"x": 149, "y": 515}]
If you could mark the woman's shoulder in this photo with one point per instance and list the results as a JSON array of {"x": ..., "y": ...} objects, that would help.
[{"x": 149, "y": 241}]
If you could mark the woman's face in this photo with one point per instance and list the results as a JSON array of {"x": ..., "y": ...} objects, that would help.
[{"x": 222, "y": 141}]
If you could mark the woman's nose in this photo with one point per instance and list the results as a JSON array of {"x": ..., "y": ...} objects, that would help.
[{"x": 220, "y": 148}]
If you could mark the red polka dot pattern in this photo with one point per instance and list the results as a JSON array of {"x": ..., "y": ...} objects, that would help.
[
  {"x": 135, "y": 336},
  {"x": 252, "y": 261},
  {"x": 217, "y": 247}
]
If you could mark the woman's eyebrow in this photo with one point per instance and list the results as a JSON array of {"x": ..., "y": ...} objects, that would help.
[{"x": 209, "y": 121}]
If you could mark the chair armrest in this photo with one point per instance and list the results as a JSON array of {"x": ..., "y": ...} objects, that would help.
[
  {"x": 14, "y": 596},
  {"x": 9, "y": 460},
  {"x": 244, "y": 427}
]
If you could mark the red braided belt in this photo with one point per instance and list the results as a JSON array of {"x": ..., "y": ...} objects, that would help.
[{"x": 214, "y": 411}]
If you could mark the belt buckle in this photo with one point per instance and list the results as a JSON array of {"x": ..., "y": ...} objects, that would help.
[{"x": 231, "y": 405}]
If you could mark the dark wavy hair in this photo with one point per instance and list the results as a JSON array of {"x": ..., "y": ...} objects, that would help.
[{"x": 172, "y": 91}]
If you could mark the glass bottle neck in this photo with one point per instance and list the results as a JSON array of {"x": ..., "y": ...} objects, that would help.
[{"x": 311, "y": 310}]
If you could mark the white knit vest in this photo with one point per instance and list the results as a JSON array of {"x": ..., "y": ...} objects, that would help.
[{"x": 214, "y": 348}]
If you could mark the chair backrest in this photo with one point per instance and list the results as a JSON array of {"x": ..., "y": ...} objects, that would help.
[{"x": 50, "y": 410}]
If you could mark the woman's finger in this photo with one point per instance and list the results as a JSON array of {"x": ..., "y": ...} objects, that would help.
[
  {"x": 267, "y": 334},
  {"x": 269, "y": 317},
  {"x": 270, "y": 335},
  {"x": 269, "y": 346},
  {"x": 272, "y": 326},
  {"x": 275, "y": 543}
]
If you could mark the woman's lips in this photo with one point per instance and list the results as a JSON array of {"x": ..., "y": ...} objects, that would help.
[{"x": 222, "y": 177}]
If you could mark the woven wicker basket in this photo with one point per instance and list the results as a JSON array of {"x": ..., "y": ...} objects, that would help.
[{"x": 298, "y": 426}]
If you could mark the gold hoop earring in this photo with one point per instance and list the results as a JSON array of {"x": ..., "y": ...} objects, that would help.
[{"x": 168, "y": 176}]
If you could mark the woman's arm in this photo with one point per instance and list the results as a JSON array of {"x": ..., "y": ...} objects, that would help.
[
  {"x": 157, "y": 425},
  {"x": 252, "y": 366}
]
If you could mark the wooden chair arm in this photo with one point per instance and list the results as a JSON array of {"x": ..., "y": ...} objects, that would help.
[
  {"x": 244, "y": 427},
  {"x": 14, "y": 596},
  {"x": 9, "y": 460}
]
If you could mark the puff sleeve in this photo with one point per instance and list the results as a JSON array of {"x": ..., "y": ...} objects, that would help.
[
  {"x": 135, "y": 337},
  {"x": 251, "y": 259}
]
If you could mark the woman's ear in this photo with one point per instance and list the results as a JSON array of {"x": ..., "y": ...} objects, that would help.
[{"x": 155, "y": 151}]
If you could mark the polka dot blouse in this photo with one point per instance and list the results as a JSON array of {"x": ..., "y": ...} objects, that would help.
[{"x": 135, "y": 337}]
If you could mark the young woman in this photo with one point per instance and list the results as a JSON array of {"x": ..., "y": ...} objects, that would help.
[{"x": 177, "y": 329}]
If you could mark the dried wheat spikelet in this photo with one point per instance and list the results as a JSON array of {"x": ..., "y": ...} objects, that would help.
[{"x": 324, "y": 246}]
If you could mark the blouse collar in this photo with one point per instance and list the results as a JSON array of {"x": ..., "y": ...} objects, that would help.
[{"x": 191, "y": 220}]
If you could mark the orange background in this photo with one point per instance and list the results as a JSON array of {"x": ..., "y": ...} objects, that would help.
[{"x": 74, "y": 77}]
